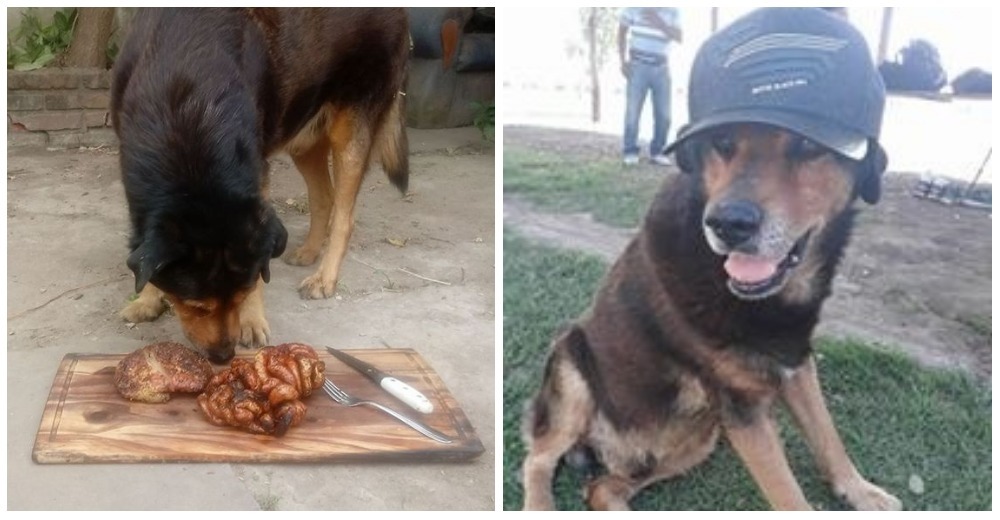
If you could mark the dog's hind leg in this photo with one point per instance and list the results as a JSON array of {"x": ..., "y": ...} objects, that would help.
[
  {"x": 310, "y": 150},
  {"x": 148, "y": 306},
  {"x": 555, "y": 421},
  {"x": 254, "y": 330},
  {"x": 350, "y": 140}
]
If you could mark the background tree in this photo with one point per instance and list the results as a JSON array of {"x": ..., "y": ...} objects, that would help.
[
  {"x": 600, "y": 29},
  {"x": 89, "y": 46}
]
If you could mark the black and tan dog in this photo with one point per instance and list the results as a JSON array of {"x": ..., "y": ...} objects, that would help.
[
  {"x": 200, "y": 99},
  {"x": 704, "y": 322}
]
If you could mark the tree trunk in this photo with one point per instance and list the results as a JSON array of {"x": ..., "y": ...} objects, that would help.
[
  {"x": 595, "y": 84},
  {"x": 90, "y": 37},
  {"x": 883, "y": 37}
]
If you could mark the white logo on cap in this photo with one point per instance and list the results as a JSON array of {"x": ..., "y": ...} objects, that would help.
[
  {"x": 773, "y": 41},
  {"x": 779, "y": 85}
]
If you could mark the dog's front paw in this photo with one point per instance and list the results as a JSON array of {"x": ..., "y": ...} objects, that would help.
[
  {"x": 254, "y": 330},
  {"x": 302, "y": 256},
  {"x": 314, "y": 287},
  {"x": 143, "y": 309},
  {"x": 865, "y": 496}
]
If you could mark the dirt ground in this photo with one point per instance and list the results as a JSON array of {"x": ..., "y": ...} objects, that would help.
[
  {"x": 67, "y": 280},
  {"x": 916, "y": 277}
]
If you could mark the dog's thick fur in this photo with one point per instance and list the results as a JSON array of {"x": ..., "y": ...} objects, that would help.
[
  {"x": 670, "y": 356},
  {"x": 200, "y": 99}
]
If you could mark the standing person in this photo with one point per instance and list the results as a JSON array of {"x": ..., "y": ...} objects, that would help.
[{"x": 644, "y": 36}]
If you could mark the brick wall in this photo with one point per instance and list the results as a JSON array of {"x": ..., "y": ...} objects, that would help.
[{"x": 59, "y": 108}]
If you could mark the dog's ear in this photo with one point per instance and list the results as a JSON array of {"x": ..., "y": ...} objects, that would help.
[
  {"x": 265, "y": 272},
  {"x": 277, "y": 237},
  {"x": 872, "y": 167},
  {"x": 149, "y": 258},
  {"x": 687, "y": 155},
  {"x": 686, "y": 152}
]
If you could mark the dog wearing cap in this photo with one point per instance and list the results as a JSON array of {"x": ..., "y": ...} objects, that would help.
[{"x": 704, "y": 323}]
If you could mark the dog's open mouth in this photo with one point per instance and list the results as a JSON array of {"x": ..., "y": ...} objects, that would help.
[{"x": 753, "y": 277}]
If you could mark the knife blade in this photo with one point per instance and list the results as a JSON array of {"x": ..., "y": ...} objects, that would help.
[{"x": 398, "y": 389}]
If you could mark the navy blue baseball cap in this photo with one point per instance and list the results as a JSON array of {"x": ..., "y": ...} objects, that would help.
[{"x": 802, "y": 69}]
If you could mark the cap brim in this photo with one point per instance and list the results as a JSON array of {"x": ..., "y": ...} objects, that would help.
[{"x": 846, "y": 142}]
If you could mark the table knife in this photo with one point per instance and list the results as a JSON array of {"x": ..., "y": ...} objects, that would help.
[{"x": 400, "y": 390}]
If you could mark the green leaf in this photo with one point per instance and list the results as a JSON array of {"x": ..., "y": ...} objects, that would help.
[
  {"x": 40, "y": 61},
  {"x": 34, "y": 44},
  {"x": 27, "y": 66}
]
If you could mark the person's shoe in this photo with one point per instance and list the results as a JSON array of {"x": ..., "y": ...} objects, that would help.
[
  {"x": 631, "y": 160},
  {"x": 662, "y": 160}
]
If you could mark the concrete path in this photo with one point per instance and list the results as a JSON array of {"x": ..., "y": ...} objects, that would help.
[{"x": 67, "y": 280}]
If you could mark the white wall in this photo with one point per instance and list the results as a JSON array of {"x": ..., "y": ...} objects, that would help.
[{"x": 14, "y": 15}]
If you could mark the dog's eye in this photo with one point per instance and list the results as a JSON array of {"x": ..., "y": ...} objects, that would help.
[
  {"x": 724, "y": 145},
  {"x": 803, "y": 149}
]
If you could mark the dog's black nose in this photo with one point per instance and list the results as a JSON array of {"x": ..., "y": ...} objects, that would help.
[
  {"x": 221, "y": 355},
  {"x": 735, "y": 222}
]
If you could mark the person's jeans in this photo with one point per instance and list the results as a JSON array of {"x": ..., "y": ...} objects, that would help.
[{"x": 644, "y": 78}]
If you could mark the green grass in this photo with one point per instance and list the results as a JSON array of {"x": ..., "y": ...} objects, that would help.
[
  {"x": 613, "y": 194},
  {"x": 896, "y": 418}
]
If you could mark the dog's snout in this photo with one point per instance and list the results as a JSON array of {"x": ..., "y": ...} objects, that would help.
[
  {"x": 220, "y": 354},
  {"x": 734, "y": 223}
]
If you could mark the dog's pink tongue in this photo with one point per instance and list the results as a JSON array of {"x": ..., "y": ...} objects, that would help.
[{"x": 750, "y": 269}]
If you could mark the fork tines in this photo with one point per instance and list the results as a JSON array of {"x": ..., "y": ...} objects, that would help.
[{"x": 334, "y": 391}]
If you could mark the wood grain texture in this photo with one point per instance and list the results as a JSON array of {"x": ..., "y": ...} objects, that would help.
[{"x": 86, "y": 421}]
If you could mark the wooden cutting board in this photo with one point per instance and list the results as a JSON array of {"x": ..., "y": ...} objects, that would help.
[{"x": 87, "y": 421}]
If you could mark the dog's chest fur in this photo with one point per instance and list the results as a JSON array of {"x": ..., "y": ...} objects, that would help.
[{"x": 669, "y": 343}]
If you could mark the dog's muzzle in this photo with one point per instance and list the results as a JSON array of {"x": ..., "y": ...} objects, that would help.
[
  {"x": 757, "y": 264},
  {"x": 735, "y": 223},
  {"x": 753, "y": 278}
]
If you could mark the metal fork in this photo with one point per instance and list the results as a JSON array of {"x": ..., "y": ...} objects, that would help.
[{"x": 346, "y": 399}]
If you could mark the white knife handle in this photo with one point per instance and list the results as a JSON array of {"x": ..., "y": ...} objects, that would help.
[{"x": 407, "y": 394}]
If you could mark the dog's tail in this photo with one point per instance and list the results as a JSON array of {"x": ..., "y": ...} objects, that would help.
[{"x": 391, "y": 148}]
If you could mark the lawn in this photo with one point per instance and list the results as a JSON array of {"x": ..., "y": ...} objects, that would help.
[
  {"x": 614, "y": 194},
  {"x": 901, "y": 423}
]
